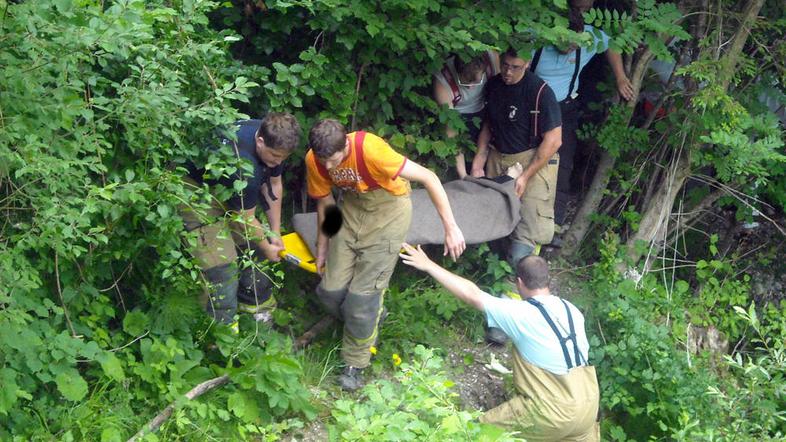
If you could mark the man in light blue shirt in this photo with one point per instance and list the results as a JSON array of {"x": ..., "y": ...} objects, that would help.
[
  {"x": 557, "y": 389},
  {"x": 556, "y": 67},
  {"x": 560, "y": 69}
]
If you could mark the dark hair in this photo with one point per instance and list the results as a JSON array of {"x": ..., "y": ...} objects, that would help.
[
  {"x": 281, "y": 131},
  {"x": 533, "y": 271},
  {"x": 327, "y": 137},
  {"x": 511, "y": 52},
  {"x": 575, "y": 15},
  {"x": 467, "y": 71}
]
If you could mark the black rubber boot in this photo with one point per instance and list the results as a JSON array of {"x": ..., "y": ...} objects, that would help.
[
  {"x": 496, "y": 336},
  {"x": 351, "y": 379}
]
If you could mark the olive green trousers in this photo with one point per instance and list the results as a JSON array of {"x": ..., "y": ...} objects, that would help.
[
  {"x": 550, "y": 407},
  {"x": 361, "y": 258}
]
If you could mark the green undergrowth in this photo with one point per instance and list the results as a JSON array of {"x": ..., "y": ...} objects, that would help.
[{"x": 653, "y": 386}]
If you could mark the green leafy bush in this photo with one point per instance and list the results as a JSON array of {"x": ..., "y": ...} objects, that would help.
[
  {"x": 100, "y": 102},
  {"x": 417, "y": 405},
  {"x": 652, "y": 388}
]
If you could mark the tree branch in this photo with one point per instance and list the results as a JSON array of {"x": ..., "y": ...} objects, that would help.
[
  {"x": 357, "y": 93},
  {"x": 194, "y": 393},
  {"x": 313, "y": 332},
  {"x": 60, "y": 294},
  {"x": 729, "y": 61}
]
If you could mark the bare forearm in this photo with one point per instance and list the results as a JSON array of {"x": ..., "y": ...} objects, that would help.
[
  {"x": 322, "y": 239},
  {"x": 251, "y": 230},
  {"x": 479, "y": 162},
  {"x": 484, "y": 138},
  {"x": 463, "y": 289},
  {"x": 547, "y": 148},
  {"x": 615, "y": 60}
]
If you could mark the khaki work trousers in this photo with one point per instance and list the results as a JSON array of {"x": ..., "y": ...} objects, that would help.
[
  {"x": 550, "y": 407},
  {"x": 537, "y": 203},
  {"x": 361, "y": 258},
  {"x": 215, "y": 251}
]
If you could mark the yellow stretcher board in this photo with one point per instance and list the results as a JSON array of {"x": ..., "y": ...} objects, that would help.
[{"x": 296, "y": 252}]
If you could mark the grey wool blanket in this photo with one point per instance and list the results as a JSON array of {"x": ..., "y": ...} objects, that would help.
[{"x": 484, "y": 210}]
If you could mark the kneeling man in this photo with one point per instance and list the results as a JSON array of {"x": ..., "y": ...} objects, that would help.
[{"x": 556, "y": 389}]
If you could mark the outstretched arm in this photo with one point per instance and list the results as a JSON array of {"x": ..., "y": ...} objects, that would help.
[
  {"x": 454, "y": 239},
  {"x": 479, "y": 162},
  {"x": 624, "y": 86},
  {"x": 274, "y": 213},
  {"x": 461, "y": 288},
  {"x": 249, "y": 227}
]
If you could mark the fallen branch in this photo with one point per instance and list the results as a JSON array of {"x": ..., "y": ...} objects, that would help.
[
  {"x": 357, "y": 93},
  {"x": 195, "y": 392},
  {"x": 313, "y": 332}
]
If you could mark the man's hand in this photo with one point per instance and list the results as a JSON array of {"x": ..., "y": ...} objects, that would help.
[
  {"x": 271, "y": 250},
  {"x": 454, "y": 242},
  {"x": 461, "y": 288},
  {"x": 322, "y": 253},
  {"x": 415, "y": 257},
  {"x": 625, "y": 88},
  {"x": 521, "y": 185},
  {"x": 276, "y": 241},
  {"x": 478, "y": 172}
]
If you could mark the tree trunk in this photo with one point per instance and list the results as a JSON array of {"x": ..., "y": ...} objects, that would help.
[
  {"x": 654, "y": 220},
  {"x": 581, "y": 223}
]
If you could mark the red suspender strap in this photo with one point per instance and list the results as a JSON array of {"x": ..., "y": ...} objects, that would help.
[
  {"x": 535, "y": 113},
  {"x": 537, "y": 107},
  {"x": 452, "y": 83},
  {"x": 320, "y": 168},
  {"x": 361, "y": 162}
]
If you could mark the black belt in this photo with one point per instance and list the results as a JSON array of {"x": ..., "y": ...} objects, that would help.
[{"x": 515, "y": 153}]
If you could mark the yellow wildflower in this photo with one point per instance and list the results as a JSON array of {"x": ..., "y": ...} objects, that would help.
[
  {"x": 396, "y": 359},
  {"x": 373, "y": 350}
]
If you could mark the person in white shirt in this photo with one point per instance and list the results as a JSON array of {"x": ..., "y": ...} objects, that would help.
[{"x": 461, "y": 86}]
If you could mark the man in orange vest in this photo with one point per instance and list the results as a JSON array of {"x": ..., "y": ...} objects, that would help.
[{"x": 356, "y": 264}]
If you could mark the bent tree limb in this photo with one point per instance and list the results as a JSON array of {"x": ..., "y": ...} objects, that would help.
[
  {"x": 211, "y": 384},
  {"x": 313, "y": 332},
  {"x": 653, "y": 221},
  {"x": 194, "y": 393}
]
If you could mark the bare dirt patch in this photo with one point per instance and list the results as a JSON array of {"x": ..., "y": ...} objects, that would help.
[{"x": 478, "y": 387}]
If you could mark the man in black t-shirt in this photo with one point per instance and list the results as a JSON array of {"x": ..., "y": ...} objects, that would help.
[
  {"x": 230, "y": 223},
  {"x": 523, "y": 125}
]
